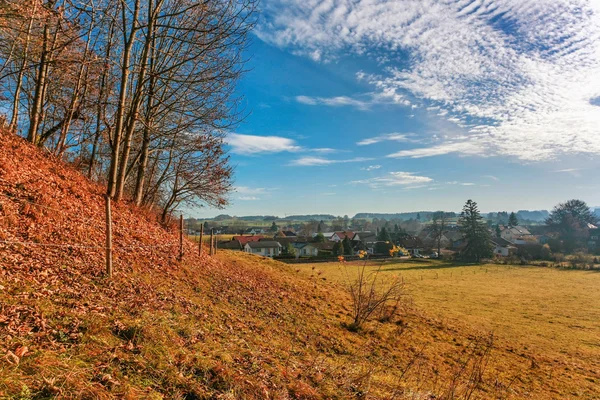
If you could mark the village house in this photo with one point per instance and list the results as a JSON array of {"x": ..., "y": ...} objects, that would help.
[
  {"x": 235, "y": 245},
  {"x": 517, "y": 235},
  {"x": 338, "y": 236},
  {"x": 264, "y": 248},
  {"x": 503, "y": 247}
]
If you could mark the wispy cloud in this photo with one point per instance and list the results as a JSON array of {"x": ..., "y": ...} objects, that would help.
[
  {"x": 460, "y": 183},
  {"x": 252, "y": 191},
  {"x": 337, "y": 101},
  {"x": 569, "y": 170},
  {"x": 492, "y": 177},
  {"x": 470, "y": 148},
  {"x": 362, "y": 102},
  {"x": 326, "y": 150},
  {"x": 407, "y": 179},
  {"x": 252, "y": 144},
  {"x": 371, "y": 168},
  {"x": 394, "y": 137},
  {"x": 248, "y": 198},
  {"x": 319, "y": 161},
  {"x": 530, "y": 91}
]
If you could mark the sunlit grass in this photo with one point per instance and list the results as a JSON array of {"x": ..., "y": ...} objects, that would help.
[{"x": 550, "y": 310}]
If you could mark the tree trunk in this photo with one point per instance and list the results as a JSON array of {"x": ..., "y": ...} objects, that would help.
[
  {"x": 17, "y": 98},
  {"x": 137, "y": 98},
  {"x": 116, "y": 148},
  {"x": 40, "y": 86}
]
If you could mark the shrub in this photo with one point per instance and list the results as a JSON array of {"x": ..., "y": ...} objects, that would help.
[{"x": 372, "y": 295}]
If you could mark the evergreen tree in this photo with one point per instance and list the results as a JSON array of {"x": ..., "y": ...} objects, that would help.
[
  {"x": 418, "y": 216},
  {"x": 320, "y": 227},
  {"x": 498, "y": 231},
  {"x": 476, "y": 233},
  {"x": 319, "y": 238},
  {"x": 274, "y": 228},
  {"x": 512, "y": 220},
  {"x": 347, "y": 246},
  {"x": 384, "y": 235},
  {"x": 338, "y": 249}
]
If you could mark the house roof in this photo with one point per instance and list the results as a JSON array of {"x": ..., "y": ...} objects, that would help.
[
  {"x": 245, "y": 239},
  {"x": 519, "y": 231},
  {"x": 343, "y": 234},
  {"x": 367, "y": 237},
  {"x": 326, "y": 234},
  {"x": 263, "y": 244},
  {"x": 502, "y": 242},
  {"x": 411, "y": 242},
  {"x": 230, "y": 245},
  {"x": 289, "y": 233},
  {"x": 323, "y": 246}
]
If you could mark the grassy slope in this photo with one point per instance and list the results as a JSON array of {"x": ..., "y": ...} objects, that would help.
[{"x": 232, "y": 326}]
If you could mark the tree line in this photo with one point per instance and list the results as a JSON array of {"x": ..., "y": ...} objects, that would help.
[{"x": 137, "y": 93}]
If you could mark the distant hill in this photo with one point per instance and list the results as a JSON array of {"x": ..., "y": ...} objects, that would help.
[
  {"x": 402, "y": 216},
  {"x": 310, "y": 217},
  {"x": 313, "y": 217}
]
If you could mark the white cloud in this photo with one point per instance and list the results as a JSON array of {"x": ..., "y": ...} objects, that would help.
[
  {"x": 325, "y": 150},
  {"x": 568, "y": 170},
  {"x": 531, "y": 90},
  {"x": 248, "y": 198},
  {"x": 251, "y": 144},
  {"x": 251, "y": 191},
  {"x": 371, "y": 168},
  {"x": 394, "y": 137},
  {"x": 460, "y": 183},
  {"x": 407, "y": 179},
  {"x": 361, "y": 102},
  {"x": 319, "y": 161},
  {"x": 492, "y": 177},
  {"x": 470, "y": 148},
  {"x": 338, "y": 101}
]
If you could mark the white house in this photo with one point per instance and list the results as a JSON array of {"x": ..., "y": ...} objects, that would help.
[
  {"x": 327, "y": 235},
  {"x": 266, "y": 248},
  {"x": 503, "y": 247},
  {"x": 338, "y": 236},
  {"x": 306, "y": 250},
  {"x": 517, "y": 235}
]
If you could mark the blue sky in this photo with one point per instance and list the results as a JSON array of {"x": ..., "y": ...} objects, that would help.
[{"x": 363, "y": 106}]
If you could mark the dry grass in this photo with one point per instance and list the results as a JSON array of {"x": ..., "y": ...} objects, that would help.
[
  {"x": 237, "y": 326},
  {"x": 548, "y": 313}
]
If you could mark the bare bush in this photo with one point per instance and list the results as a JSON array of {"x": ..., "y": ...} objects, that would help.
[{"x": 373, "y": 294}]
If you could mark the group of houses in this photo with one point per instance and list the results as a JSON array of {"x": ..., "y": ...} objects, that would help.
[
  {"x": 309, "y": 246},
  {"x": 506, "y": 241}
]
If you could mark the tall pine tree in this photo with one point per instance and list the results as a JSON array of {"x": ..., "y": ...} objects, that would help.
[{"x": 477, "y": 236}]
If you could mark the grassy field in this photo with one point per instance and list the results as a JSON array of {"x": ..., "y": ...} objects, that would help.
[
  {"x": 552, "y": 312},
  {"x": 206, "y": 237}
]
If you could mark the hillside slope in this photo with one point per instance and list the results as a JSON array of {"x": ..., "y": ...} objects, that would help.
[{"x": 232, "y": 326}]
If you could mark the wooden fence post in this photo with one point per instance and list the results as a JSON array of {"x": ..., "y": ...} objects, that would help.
[
  {"x": 212, "y": 231},
  {"x": 216, "y": 243},
  {"x": 181, "y": 237},
  {"x": 201, "y": 239},
  {"x": 109, "y": 261}
]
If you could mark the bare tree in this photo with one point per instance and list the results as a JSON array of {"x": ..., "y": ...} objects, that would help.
[{"x": 438, "y": 228}]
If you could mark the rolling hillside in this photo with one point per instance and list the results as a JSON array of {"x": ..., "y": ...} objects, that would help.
[{"x": 232, "y": 326}]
